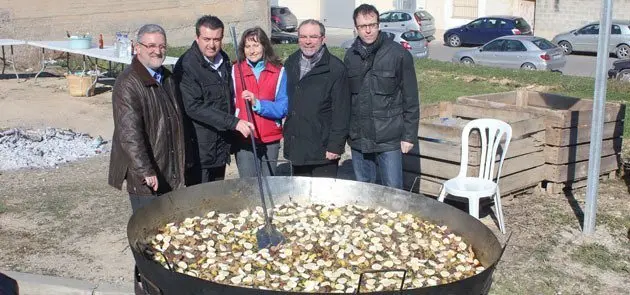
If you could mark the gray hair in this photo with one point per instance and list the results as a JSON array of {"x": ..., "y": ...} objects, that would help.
[
  {"x": 322, "y": 29},
  {"x": 150, "y": 29}
]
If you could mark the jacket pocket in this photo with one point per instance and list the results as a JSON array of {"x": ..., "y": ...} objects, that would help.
[
  {"x": 355, "y": 80},
  {"x": 212, "y": 90},
  {"x": 385, "y": 82},
  {"x": 388, "y": 125}
]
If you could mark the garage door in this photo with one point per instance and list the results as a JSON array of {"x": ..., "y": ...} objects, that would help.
[{"x": 337, "y": 13}]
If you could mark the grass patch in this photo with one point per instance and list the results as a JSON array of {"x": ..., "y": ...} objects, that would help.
[
  {"x": 601, "y": 257},
  {"x": 544, "y": 249},
  {"x": 615, "y": 223},
  {"x": 445, "y": 81},
  {"x": 3, "y": 207}
]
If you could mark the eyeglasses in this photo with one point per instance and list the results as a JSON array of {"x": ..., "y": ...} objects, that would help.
[
  {"x": 309, "y": 37},
  {"x": 152, "y": 46},
  {"x": 372, "y": 26}
]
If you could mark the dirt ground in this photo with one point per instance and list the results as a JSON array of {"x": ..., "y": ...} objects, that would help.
[{"x": 68, "y": 222}]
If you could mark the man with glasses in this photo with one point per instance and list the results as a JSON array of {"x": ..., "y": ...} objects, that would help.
[
  {"x": 203, "y": 75},
  {"x": 385, "y": 107},
  {"x": 148, "y": 143},
  {"x": 316, "y": 125}
]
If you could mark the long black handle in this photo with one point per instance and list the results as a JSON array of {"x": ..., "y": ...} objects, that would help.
[{"x": 250, "y": 118}]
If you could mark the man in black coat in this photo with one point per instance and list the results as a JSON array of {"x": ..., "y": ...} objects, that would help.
[
  {"x": 203, "y": 74},
  {"x": 385, "y": 106},
  {"x": 316, "y": 127}
]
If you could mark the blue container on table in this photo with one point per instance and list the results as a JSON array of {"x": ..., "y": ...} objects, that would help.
[{"x": 77, "y": 42}]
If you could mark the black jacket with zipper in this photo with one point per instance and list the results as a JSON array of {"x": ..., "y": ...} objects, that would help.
[
  {"x": 385, "y": 105},
  {"x": 208, "y": 100},
  {"x": 319, "y": 110}
]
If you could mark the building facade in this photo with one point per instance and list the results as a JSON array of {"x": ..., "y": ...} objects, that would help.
[
  {"x": 557, "y": 16},
  {"x": 338, "y": 13}
]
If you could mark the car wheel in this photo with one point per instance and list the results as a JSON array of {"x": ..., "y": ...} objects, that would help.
[
  {"x": 454, "y": 40},
  {"x": 623, "y": 51},
  {"x": 467, "y": 61},
  {"x": 566, "y": 46},
  {"x": 624, "y": 75},
  {"x": 528, "y": 66}
]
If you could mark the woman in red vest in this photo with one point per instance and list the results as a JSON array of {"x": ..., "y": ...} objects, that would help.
[{"x": 265, "y": 89}]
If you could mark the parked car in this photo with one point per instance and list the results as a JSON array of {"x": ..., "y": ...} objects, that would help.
[
  {"x": 284, "y": 18},
  {"x": 280, "y": 37},
  {"x": 514, "y": 52},
  {"x": 585, "y": 39},
  {"x": 412, "y": 40},
  {"x": 620, "y": 70},
  {"x": 484, "y": 29},
  {"x": 420, "y": 20}
]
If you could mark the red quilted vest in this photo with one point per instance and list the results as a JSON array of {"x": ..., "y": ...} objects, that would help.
[{"x": 267, "y": 130}]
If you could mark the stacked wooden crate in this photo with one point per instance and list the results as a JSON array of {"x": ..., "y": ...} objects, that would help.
[
  {"x": 437, "y": 156},
  {"x": 568, "y": 132}
]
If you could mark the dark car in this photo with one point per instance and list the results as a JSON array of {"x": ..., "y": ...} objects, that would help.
[
  {"x": 284, "y": 18},
  {"x": 620, "y": 70},
  {"x": 484, "y": 29},
  {"x": 280, "y": 37}
]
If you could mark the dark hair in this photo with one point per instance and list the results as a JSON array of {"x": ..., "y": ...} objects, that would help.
[
  {"x": 209, "y": 21},
  {"x": 257, "y": 34},
  {"x": 364, "y": 9},
  {"x": 322, "y": 29}
]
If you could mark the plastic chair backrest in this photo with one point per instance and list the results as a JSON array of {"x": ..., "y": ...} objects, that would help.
[{"x": 491, "y": 131}]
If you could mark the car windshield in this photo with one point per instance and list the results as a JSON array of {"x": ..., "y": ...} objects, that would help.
[
  {"x": 522, "y": 25},
  {"x": 275, "y": 28},
  {"x": 281, "y": 10},
  {"x": 412, "y": 36},
  {"x": 543, "y": 44},
  {"x": 424, "y": 15}
]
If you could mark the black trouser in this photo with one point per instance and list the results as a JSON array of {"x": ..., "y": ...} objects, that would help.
[
  {"x": 138, "y": 201},
  {"x": 322, "y": 170},
  {"x": 198, "y": 175},
  {"x": 212, "y": 174}
]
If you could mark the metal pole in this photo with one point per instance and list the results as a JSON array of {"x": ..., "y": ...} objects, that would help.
[{"x": 597, "y": 124}]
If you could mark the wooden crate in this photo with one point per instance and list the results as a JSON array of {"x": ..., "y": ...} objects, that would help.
[
  {"x": 568, "y": 131},
  {"x": 437, "y": 156}
]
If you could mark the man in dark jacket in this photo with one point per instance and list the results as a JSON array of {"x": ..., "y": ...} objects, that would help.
[
  {"x": 316, "y": 126},
  {"x": 203, "y": 75},
  {"x": 148, "y": 142},
  {"x": 385, "y": 106}
]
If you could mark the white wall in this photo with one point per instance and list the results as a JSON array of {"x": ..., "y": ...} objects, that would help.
[
  {"x": 303, "y": 9},
  {"x": 381, "y": 5}
]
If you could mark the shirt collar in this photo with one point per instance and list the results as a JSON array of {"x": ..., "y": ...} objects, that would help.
[
  {"x": 216, "y": 62},
  {"x": 152, "y": 72}
]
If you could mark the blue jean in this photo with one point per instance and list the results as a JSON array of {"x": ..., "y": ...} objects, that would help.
[{"x": 389, "y": 167}]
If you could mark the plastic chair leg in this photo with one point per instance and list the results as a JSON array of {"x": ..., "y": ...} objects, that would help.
[
  {"x": 442, "y": 194},
  {"x": 499, "y": 211},
  {"x": 473, "y": 207}
]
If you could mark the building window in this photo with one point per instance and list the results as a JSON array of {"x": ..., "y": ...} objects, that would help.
[{"x": 465, "y": 9}]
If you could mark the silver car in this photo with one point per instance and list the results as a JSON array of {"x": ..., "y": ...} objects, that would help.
[
  {"x": 514, "y": 52},
  {"x": 585, "y": 39},
  {"x": 412, "y": 40},
  {"x": 420, "y": 20}
]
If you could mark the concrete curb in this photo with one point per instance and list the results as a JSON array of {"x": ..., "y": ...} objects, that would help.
[{"x": 32, "y": 284}]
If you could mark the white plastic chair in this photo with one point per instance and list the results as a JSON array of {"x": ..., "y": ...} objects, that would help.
[{"x": 483, "y": 186}]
